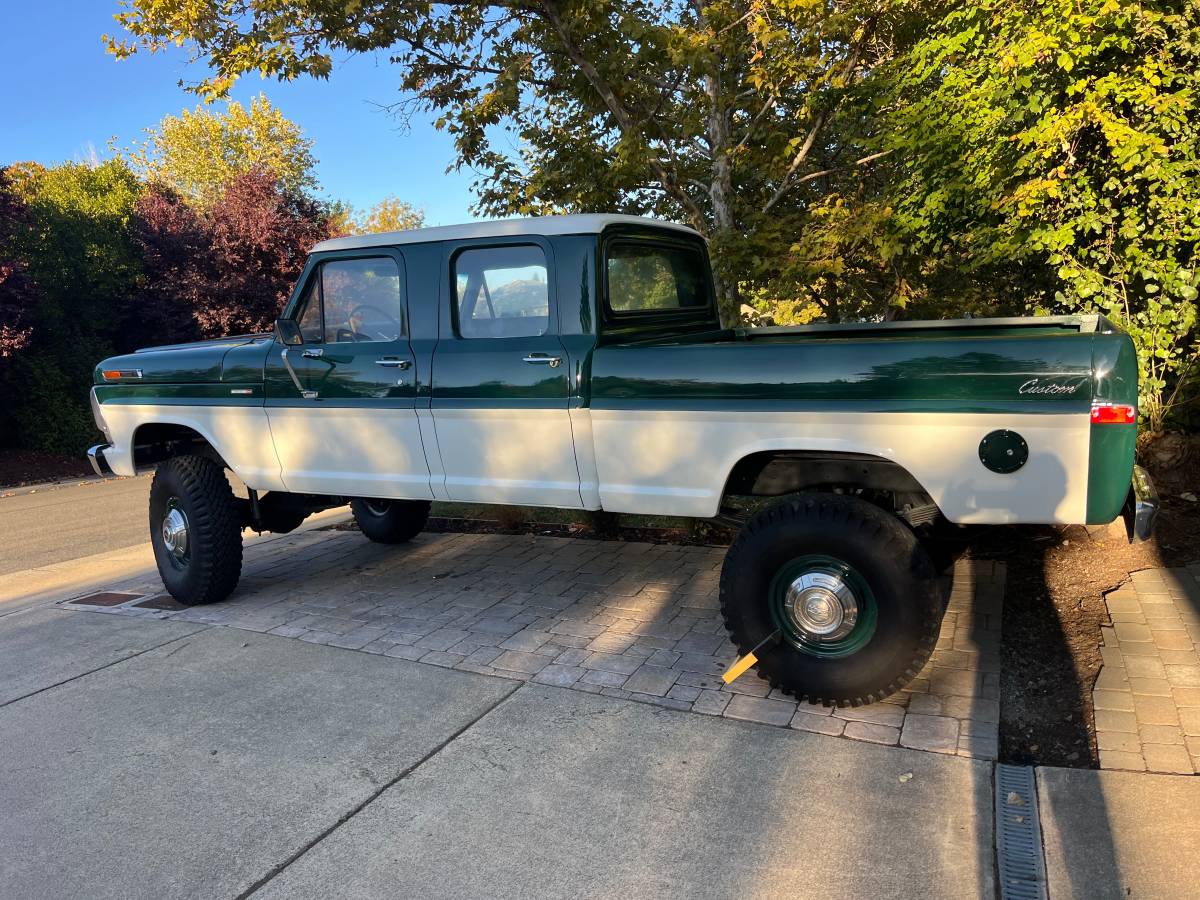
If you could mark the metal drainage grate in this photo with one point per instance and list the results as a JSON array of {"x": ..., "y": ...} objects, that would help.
[
  {"x": 1019, "y": 835},
  {"x": 161, "y": 601},
  {"x": 103, "y": 599}
]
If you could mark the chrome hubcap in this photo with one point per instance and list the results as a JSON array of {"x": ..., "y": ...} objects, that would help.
[
  {"x": 821, "y": 606},
  {"x": 175, "y": 531}
]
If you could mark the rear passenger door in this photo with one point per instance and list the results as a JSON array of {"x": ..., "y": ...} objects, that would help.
[{"x": 500, "y": 379}]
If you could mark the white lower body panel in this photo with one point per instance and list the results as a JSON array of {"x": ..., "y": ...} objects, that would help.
[
  {"x": 351, "y": 451},
  {"x": 676, "y": 462},
  {"x": 240, "y": 434},
  {"x": 515, "y": 455}
]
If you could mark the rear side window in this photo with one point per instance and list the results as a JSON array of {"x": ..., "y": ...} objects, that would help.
[
  {"x": 502, "y": 292},
  {"x": 354, "y": 301},
  {"x": 655, "y": 278}
]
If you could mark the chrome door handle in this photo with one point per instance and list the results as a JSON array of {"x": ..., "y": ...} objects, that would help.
[
  {"x": 391, "y": 362},
  {"x": 543, "y": 359},
  {"x": 313, "y": 353},
  {"x": 307, "y": 395}
]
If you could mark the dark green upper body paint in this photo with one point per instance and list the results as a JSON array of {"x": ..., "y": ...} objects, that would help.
[
  {"x": 198, "y": 363},
  {"x": 949, "y": 372}
]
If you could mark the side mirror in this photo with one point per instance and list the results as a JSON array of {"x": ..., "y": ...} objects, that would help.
[{"x": 288, "y": 332}]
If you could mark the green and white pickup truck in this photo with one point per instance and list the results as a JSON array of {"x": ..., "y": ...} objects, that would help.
[{"x": 578, "y": 362}]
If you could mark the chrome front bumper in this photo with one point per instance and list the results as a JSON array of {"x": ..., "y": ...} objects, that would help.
[
  {"x": 96, "y": 458},
  {"x": 1141, "y": 507}
]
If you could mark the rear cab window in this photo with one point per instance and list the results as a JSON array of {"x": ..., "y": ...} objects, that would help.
[
  {"x": 655, "y": 282},
  {"x": 647, "y": 278}
]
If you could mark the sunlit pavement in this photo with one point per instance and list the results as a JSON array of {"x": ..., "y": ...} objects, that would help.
[{"x": 155, "y": 752}]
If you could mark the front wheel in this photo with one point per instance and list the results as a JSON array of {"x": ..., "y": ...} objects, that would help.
[
  {"x": 195, "y": 529},
  {"x": 850, "y": 594},
  {"x": 390, "y": 521}
]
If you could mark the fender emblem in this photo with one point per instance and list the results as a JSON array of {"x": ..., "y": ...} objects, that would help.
[{"x": 1037, "y": 386}]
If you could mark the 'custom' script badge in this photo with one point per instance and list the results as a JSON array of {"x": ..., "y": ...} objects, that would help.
[{"x": 1037, "y": 386}]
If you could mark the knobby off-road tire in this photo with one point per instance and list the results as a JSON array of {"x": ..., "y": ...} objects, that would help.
[
  {"x": 203, "y": 562},
  {"x": 804, "y": 548},
  {"x": 390, "y": 521}
]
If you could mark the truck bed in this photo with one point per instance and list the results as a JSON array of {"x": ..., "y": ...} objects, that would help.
[{"x": 969, "y": 365}]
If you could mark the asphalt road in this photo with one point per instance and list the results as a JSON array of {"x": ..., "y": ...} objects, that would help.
[{"x": 55, "y": 524}]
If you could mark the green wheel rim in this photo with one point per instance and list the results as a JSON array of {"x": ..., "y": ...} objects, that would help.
[{"x": 794, "y": 634}]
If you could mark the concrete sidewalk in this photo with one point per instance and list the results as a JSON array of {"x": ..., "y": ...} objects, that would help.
[
  {"x": 212, "y": 762},
  {"x": 1120, "y": 834},
  {"x": 46, "y": 584}
]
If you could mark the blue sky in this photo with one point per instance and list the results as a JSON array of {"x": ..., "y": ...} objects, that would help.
[{"x": 65, "y": 95}]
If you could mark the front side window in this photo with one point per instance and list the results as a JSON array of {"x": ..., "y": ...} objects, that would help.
[
  {"x": 362, "y": 300},
  {"x": 502, "y": 292},
  {"x": 655, "y": 278}
]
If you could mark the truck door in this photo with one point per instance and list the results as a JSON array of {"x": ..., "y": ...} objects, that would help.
[
  {"x": 500, "y": 379},
  {"x": 342, "y": 405}
]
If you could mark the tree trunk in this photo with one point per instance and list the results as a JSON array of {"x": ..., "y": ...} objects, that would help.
[
  {"x": 720, "y": 192},
  {"x": 729, "y": 300}
]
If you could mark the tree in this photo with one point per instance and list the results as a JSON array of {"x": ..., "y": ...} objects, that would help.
[
  {"x": 228, "y": 267},
  {"x": 198, "y": 152},
  {"x": 728, "y": 115},
  {"x": 76, "y": 248},
  {"x": 389, "y": 214},
  {"x": 1060, "y": 143},
  {"x": 18, "y": 293}
]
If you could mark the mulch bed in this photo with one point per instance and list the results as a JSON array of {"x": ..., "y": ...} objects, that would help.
[{"x": 22, "y": 467}]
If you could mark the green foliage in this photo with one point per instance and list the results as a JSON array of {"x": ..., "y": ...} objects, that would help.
[
  {"x": 200, "y": 151},
  {"x": 50, "y": 410},
  {"x": 77, "y": 249},
  {"x": 1059, "y": 142},
  {"x": 78, "y": 237},
  {"x": 102, "y": 258}
]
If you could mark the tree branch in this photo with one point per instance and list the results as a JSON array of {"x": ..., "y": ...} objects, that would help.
[
  {"x": 802, "y": 154},
  {"x": 620, "y": 112},
  {"x": 767, "y": 107},
  {"x": 858, "y": 162}
]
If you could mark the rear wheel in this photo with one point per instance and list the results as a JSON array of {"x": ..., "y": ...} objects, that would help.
[
  {"x": 390, "y": 521},
  {"x": 847, "y": 588},
  {"x": 195, "y": 529}
]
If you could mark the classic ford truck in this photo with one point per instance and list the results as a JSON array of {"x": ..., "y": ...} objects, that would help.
[{"x": 578, "y": 362}]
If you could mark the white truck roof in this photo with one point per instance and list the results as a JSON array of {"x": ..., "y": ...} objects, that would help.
[{"x": 539, "y": 225}]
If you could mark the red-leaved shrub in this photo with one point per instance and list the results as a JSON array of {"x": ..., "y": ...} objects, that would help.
[{"x": 225, "y": 268}]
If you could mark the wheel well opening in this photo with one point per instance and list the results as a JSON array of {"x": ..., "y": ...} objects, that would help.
[
  {"x": 157, "y": 441},
  {"x": 878, "y": 480}
]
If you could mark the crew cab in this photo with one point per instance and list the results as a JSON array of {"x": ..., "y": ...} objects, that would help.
[{"x": 579, "y": 362}]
